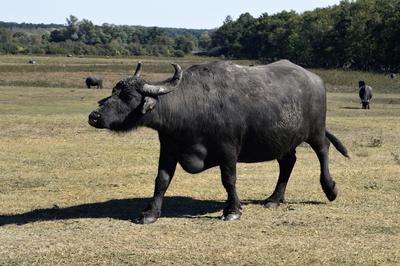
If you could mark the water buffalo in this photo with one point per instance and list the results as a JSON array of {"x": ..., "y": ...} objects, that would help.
[
  {"x": 90, "y": 81},
  {"x": 365, "y": 94},
  {"x": 218, "y": 114}
]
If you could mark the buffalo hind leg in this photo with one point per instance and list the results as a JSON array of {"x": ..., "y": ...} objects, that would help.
[
  {"x": 166, "y": 170},
  {"x": 228, "y": 177},
  {"x": 286, "y": 165},
  {"x": 321, "y": 147}
]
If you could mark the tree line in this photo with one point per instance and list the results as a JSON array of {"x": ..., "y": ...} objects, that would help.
[
  {"x": 82, "y": 37},
  {"x": 362, "y": 34}
]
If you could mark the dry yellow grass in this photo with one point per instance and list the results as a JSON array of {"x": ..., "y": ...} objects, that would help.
[
  {"x": 68, "y": 193},
  {"x": 71, "y": 72}
]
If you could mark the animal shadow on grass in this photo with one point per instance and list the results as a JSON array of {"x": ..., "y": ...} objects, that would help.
[
  {"x": 121, "y": 209},
  {"x": 305, "y": 202},
  {"x": 350, "y": 107}
]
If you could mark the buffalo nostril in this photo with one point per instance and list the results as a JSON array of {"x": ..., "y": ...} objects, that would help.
[
  {"x": 95, "y": 120},
  {"x": 94, "y": 115}
]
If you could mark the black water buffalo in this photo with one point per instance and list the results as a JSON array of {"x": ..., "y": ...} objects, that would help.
[
  {"x": 365, "y": 94},
  {"x": 90, "y": 81},
  {"x": 218, "y": 114}
]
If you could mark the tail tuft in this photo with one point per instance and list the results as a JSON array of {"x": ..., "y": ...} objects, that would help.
[{"x": 337, "y": 143}]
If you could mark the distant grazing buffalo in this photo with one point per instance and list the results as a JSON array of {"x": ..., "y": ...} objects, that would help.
[
  {"x": 218, "y": 114},
  {"x": 365, "y": 94},
  {"x": 90, "y": 81}
]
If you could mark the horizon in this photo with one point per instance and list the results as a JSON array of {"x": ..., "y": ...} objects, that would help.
[{"x": 194, "y": 16}]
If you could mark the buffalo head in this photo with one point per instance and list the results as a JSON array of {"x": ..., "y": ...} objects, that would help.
[{"x": 131, "y": 100}]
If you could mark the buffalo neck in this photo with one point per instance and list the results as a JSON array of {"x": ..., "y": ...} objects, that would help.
[{"x": 167, "y": 116}]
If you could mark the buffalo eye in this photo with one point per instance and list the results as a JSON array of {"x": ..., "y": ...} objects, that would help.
[
  {"x": 125, "y": 96},
  {"x": 102, "y": 101}
]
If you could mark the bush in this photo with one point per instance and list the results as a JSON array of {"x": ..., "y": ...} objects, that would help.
[{"x": 179, "y": 53}]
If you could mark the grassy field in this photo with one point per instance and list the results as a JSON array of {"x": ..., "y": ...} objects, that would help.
[
  {"x": 68, "y": 192},
  {"x": 71, "y": 72}
]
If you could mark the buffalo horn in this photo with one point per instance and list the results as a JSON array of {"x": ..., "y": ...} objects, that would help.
[
  {"x": 178, "y": 74},
  {"x": 138, "y": 69},
  {"x": 155, "y": 90}
]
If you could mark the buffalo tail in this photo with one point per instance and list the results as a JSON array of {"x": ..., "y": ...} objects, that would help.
[{"x": 337, "y": 143}]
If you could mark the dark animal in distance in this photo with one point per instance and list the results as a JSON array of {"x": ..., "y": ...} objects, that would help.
[
  {"x": 32, "y": 62},
  {"x": 218, "y": 114},
  {"x": 90, "y": 81},
  {"x": 365, "y": 93}
]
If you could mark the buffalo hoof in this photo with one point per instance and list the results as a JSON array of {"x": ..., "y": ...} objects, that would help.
[
  {"x": 146, "y": 220},
  {"x": 272, "y": 204},
  {"x": 331, "y": 193},
  {"x": 231, "y": 217}
]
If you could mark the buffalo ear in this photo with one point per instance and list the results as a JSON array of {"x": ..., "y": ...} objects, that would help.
[{"x": 149, "y": 104}]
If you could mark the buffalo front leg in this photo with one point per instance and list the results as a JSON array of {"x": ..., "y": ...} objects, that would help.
[
  {"x": 166, "y": 170},
  {"x": 364, "y": 105},
  {"x": 228, "y": 177},
  {"x": 286, "y": 165}
]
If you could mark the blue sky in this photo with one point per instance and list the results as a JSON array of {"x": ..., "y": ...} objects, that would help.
[{"x": 200, "y": 14}]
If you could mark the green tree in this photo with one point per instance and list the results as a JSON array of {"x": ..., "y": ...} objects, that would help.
[
  {"x": 185, "y": 43},
  {"x": 72, "y": 28},
  {"x": 205, "y": 40}
]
